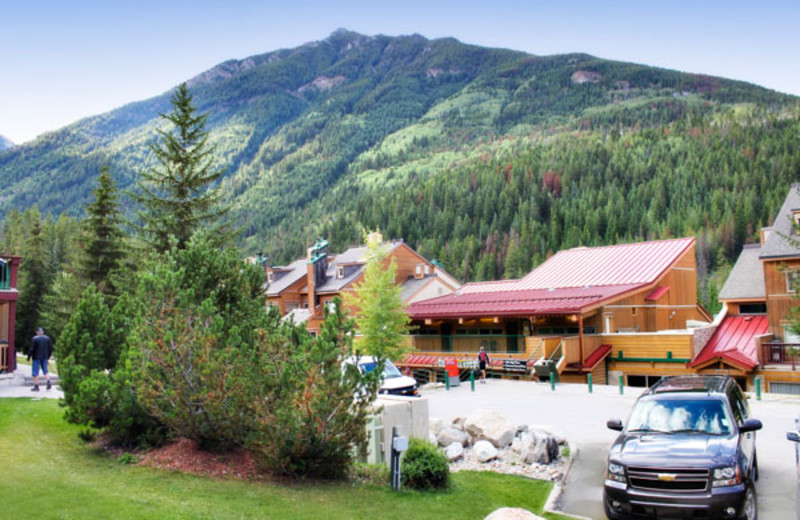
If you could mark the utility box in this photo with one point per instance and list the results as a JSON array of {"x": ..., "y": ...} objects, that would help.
[
  {"x": 409, "y": 412},
  {"x": 374, "y": 453}
]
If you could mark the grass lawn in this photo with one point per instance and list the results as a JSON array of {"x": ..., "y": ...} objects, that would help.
[{"x": 47, "y": 472}]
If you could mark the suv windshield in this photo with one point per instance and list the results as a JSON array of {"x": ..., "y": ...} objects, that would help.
[
  {"x": 707, "y": 416},
  {"x": 389, "y": 370}
]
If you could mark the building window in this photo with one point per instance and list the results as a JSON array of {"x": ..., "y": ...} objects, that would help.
[
  {"x": 340, "y": 272},
  {"x": 270, "y": 277},
  {"x": 792, "y": 279},
  {"x": 752, "y": 308},
  {"x": 635, "y": 311}
]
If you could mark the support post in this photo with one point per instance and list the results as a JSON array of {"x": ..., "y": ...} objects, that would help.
[
  {"x": 472, "y": 379},
  {"x": 621, "y": 387},
  {"x": 589, "y": 380},
  {"x": 552, "y": 381},
  {"x": 758, "y": 388}
]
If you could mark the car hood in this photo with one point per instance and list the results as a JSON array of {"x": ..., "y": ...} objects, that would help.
[
  {"x": 394, "y": 383},
  {"x": 686, "y": 449}
]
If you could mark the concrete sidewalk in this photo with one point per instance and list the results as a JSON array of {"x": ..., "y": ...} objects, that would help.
[{"x": 20, "y": 383}]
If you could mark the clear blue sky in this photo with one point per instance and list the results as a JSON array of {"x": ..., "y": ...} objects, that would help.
[{"x": 64, "y": 60}]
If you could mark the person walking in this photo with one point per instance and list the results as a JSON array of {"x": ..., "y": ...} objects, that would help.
[
  {"x": 41, "y": 350},
  {"x": 483, "y": 360}
]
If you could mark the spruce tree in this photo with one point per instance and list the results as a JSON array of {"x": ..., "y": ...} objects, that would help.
[
  {"x": 34, "y": 284},
  {"x": 176, "y": 193},
  {"x": 103, "y": 237}
]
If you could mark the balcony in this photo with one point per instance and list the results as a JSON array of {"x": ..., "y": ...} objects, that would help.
[
  {"x": 5, "y": 275},
  {"x": 781, "y": 354}
]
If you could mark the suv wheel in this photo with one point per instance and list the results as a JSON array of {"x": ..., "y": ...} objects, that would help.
[{"x": 750, "y": 510}]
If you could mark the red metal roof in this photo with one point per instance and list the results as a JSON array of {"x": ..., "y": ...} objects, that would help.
[
  {"x": 566, "y": 283},
  {"x": 734, "y": 341},
  {"x": 514, "y": 303}
]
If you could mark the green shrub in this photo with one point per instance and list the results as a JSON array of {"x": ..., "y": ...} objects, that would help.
[{"x": 424, "y": 467}]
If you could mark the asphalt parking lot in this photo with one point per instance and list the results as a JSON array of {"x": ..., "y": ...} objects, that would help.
[{"x": 581, "y": 417}]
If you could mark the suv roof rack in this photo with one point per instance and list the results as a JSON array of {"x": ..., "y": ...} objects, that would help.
[{"x": 702, "y": 384}]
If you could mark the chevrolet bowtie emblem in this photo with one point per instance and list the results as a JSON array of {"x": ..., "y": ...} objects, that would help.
[{"x": 666, "y": 477}]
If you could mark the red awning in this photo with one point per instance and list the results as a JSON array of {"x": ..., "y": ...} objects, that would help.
[{"x": 657, "y": 293}]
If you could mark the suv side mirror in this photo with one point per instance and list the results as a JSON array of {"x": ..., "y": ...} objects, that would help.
[
  {"x": 793, "y": 436},
  {"x": 614, "y": 424},
  {"x": 750, "y": 425}
]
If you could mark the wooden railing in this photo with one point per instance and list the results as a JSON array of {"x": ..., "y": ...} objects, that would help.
[
  {"x": 497, "y": 344},
  {"x": 780, "y": 354}
]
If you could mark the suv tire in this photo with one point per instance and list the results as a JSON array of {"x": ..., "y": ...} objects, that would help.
[{"x": 749, "y": 509}]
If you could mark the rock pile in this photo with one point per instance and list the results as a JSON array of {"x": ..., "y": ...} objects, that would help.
[{"x": 487, "y": 441}]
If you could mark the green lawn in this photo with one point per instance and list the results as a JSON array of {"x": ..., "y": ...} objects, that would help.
[{"x": 47, "y": 472}]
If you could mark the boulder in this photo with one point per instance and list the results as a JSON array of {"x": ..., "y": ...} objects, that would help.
[
  {"x": 448, "y": 436},
  {"x": 512, "y": 513},
  {"x": 458, "y": 423},
  {"x": 435, "y": 425},
  {"x": 538, "y": 447},
  {"x": 490, "y": 426},
  {"x": 454, "y": 451},
  {"x": 485, "y": 451}
]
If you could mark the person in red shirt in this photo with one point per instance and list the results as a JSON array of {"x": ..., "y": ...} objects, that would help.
[{"x": 483, "y": 360}]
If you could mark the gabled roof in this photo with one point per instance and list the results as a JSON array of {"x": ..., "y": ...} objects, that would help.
[
  {"x": 783, "y": 240},
  {"x": 286, "y": 276},
  {"x": 734, "y": 342},
  {"x": 746, "y": 281},
  {"x": 567, "y": 283}
]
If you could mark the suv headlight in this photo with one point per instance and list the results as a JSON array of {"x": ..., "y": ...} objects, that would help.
[
  {"x": 727, "y": 476},
  {"x": 616, "y": 472}
]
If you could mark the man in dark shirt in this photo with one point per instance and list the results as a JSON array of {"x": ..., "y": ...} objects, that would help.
[{"x": 41, "y": 350}]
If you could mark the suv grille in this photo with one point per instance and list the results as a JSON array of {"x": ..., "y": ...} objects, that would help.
[{"x": 669, "y": 479}]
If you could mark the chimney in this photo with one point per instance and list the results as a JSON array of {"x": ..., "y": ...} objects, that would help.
[{"x": 317, "y": 262}]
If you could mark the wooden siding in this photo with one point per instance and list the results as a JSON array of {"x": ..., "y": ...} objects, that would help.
[
  {"x": 779, "y": 300},
  {"x": 636, "y": 314}
]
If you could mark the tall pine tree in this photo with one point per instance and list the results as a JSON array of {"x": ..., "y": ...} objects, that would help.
[
  {"x": 104, "y": 247},
  {"x": 177, "y": 194}
]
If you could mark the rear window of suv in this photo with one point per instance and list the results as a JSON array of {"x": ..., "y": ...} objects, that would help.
[{"x": 665, "y": 415}]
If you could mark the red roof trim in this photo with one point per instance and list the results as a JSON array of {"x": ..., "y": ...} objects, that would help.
[{"x": 657, "y": 293}]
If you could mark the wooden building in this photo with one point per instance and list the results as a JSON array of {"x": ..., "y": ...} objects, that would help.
[
  {"x": 627, "y": 310},
  {"x": 752, "y": 338},
  {"x": 9, "y": 266},
  {"x": 301, "y": 289}
]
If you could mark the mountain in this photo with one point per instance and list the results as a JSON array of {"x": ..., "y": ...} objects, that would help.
[
  {"x": 484, "y": 158},
  {"x": 5, "y": 143}
]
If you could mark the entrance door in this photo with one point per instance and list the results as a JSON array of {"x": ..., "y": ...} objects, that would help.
[
  {"x": 512, "y": 331},
  {"x": 446, "y": 338}
]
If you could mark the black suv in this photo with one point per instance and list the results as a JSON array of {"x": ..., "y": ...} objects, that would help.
[{"x": 688, "y": 451}]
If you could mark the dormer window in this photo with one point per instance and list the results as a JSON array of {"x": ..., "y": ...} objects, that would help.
[
  {"x": 340, "y": 272},
  {"x": 421, "y": 271},
  {"x": 270, "y": 276},
  {"x": 796, "y": 219}
]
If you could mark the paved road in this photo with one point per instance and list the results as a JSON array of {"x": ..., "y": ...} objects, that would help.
[{"x": 581, "y": 418}]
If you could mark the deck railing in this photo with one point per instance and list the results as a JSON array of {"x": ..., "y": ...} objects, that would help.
[
  {"x": 494, "y": 343},
  {"x": 781, "y": 354}
]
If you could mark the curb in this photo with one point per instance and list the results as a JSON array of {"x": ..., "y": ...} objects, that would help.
[{"x": 552, "y": 504}]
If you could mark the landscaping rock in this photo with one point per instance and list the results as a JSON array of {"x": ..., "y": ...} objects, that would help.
[
  {"x": 458, "y": 423},
  {"x": 435, "y": 425},
  {"x": 512, "y": 513},
  {"x": 450, "y": 435},
  {"x": 485, "y": 451},
  {"x": 538, "y": 447},
  {"x": 454, "y": 451},
  {"x": 490, "y": 426}
]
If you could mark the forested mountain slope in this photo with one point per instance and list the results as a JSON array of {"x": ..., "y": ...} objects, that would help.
[{"x": 486, "y": 159}]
